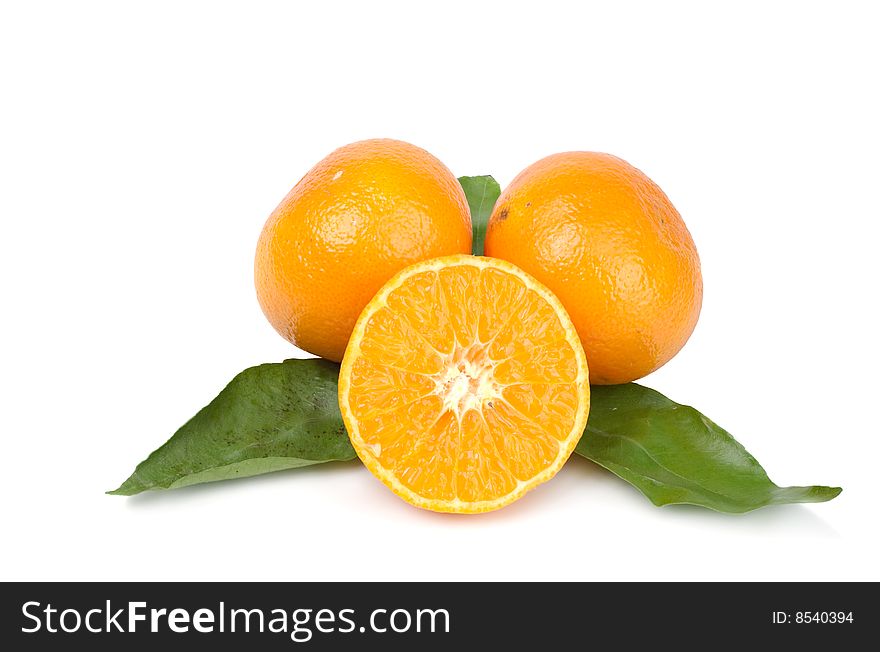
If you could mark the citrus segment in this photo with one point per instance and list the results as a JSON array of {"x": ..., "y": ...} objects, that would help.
[{"x": 464, "y": 384}]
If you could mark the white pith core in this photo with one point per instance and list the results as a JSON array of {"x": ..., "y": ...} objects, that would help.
[{"x": 467, "y": 380}]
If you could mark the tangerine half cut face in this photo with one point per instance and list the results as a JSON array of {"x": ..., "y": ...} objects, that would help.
[{"x": 464, "y": 384}]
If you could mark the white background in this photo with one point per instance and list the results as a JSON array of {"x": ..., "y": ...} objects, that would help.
[{"x": 143, "y": 146}]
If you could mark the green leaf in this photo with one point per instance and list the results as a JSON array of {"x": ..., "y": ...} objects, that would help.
[
  {"x": 482, "y": 193},
  {"x": 285, "y": 415},
  {"x": 269, "y": 418},
  {"x": 673, "y": 454}
]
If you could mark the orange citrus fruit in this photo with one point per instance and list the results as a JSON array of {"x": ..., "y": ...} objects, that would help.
[
  {"x": 358, "y": 217},
  {"x": 464, "y": 384},
  {"x": 604, "y": 237}
]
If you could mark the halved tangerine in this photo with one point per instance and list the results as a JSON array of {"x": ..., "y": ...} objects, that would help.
[{"x": 464, "y": 384}]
